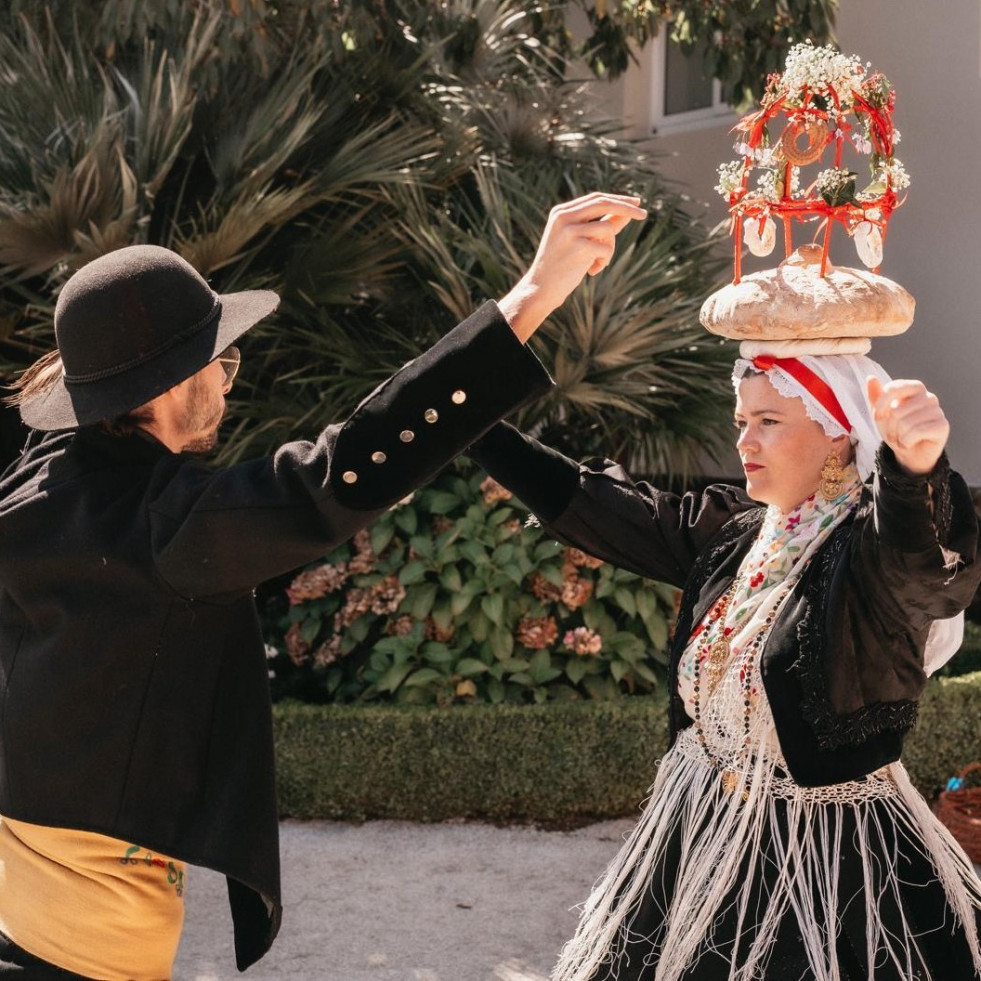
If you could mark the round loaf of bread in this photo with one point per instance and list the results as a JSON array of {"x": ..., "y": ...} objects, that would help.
[
  {"x": 795, "y": 301},
  {"x": 798, "y": 346}
]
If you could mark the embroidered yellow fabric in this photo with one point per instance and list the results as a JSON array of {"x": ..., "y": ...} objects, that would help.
[{"x": 88, "y": 903}]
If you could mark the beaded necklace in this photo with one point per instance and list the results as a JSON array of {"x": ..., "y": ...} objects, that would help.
[{"x": 713, "y": 656}]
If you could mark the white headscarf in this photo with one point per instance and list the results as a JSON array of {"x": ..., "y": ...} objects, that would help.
[{"x": 845, "y": 375}]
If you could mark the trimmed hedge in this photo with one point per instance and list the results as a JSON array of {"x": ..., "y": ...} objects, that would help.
[
  {"x": 948, "y": 732},
  {"x": 558, "y": 765},
  {"x": 562, "y": 763}
]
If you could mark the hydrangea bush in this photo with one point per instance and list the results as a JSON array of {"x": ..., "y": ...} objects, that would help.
[{"x": 455, "y": 596}]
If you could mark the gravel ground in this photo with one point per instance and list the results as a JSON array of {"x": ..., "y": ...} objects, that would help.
[{"x": 393, "y": 901}]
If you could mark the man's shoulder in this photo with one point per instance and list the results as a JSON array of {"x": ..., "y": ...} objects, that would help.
[
  {"x": 32, "y": 467},
  {"x": 53, "y": 463}
]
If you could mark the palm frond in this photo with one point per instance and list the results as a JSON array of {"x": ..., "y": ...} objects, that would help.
[
  {"x": 385, "y": 166},
  {"x": 77, "y": 214},
  {"x": 160, "y": 95}
]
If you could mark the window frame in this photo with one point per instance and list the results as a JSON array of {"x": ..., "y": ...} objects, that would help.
[{"x": 661, "y": 123}]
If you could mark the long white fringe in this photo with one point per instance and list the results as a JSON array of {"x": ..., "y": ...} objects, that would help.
[{"x": 723, "y": 834}]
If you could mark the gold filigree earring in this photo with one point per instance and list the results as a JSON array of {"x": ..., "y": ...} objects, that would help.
[{"x": 832, "y": 478}]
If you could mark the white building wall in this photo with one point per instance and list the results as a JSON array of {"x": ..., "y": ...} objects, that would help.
[{"x": 931, "y": 52}]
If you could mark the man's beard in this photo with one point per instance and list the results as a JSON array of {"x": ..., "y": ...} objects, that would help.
[
  {"x": 202, "y": 418},
  {"x": 202, "y": 445}
]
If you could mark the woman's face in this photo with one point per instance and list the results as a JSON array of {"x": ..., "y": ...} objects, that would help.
[{"x": 782, "y": 450}]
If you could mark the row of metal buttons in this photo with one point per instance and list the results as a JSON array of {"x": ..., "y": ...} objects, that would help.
[{"x": 407, "y": 435}]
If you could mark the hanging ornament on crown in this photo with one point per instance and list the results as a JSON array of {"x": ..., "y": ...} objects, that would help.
[
  {"x": 823, "y": 103},
  {"x": 822, "y": 106}
]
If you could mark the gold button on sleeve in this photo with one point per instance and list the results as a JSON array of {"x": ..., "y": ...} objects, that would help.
[
  {"x": 459, "y": 397},
  {"x": 349, "y": 477},
  {"x": 378, "y": 457},
  {"x": 430, "y": 415},
  {"x": 407, "y": 435}
]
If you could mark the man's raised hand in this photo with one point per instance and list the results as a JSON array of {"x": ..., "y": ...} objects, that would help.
[{"x": 578, "y": 240}]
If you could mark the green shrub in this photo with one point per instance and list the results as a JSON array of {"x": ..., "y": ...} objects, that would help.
[
  {"x": 557, "y": 764},
  {"x": 947, "y": 736},
  {"x": 454, "y": 596},
  {"x": 968, "y": 658}
]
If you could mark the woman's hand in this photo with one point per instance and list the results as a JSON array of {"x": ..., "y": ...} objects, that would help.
[
  {"x": 911, "y": 422},
  {"x": 579, "y": 239}
]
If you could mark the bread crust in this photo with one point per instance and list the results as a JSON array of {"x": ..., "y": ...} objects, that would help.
[{"x": 794, "y": 301}]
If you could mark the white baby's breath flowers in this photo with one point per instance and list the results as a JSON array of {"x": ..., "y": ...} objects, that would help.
[
  {"x": 769, "y": 184},
  {"x": 895, "y": 173},
  {"x": 766, "y": 184},
  {"x": 762, "y": 156},
  {"x": 730, "y": 177},
  {"x": 832, "y": 180},
  {"x": 819, "y": 69}
]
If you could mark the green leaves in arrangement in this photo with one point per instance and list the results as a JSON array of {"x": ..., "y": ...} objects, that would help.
[{"x": 453, "y": 596}]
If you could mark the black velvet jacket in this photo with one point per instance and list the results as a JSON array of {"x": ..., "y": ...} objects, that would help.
[
  {"x": 134, "y": 695},
  {"x": 843, "y": 665}
]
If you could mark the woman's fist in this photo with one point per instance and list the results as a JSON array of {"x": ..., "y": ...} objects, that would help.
[{"x": 911, "y": 422}]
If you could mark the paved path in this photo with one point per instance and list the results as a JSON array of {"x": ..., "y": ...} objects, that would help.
[{"x": 392, "y": 901}]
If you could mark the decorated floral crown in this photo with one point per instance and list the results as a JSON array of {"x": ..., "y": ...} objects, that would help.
[
  {"x": 823, "y": 104},
  {"x": 818, "y": 92}
]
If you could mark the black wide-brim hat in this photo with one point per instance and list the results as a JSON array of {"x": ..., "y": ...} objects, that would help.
[{"x": 129, "y": 326}]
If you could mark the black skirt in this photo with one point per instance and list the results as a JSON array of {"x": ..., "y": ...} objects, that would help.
[{"x": 941, "y": 953}]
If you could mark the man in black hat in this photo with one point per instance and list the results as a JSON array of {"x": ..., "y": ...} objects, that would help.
[{"x": 134, "y": 706}]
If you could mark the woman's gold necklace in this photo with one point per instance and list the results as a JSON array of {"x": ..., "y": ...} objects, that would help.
[{"x": 715, "y": 655}]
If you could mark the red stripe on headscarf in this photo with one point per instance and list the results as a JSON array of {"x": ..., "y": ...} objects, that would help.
[{"x": 814, "y": 384}]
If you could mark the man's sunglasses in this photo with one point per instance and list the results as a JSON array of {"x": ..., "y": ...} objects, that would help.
[{"x": 230, "y": 359}]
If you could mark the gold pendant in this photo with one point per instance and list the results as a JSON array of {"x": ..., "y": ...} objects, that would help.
[
  {"x": 719, "y": 652},
  {"x": 832, "y": 478},
  {"x": 730, "y": 781},
  {"x": 713, "y": 674},
  {"x": 716, "y": 658}
]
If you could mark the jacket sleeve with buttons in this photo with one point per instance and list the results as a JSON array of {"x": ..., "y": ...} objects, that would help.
[{"x": 221, "y": 532}]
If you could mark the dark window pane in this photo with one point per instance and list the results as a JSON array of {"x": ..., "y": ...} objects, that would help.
[{"x": 685, "y": 87}]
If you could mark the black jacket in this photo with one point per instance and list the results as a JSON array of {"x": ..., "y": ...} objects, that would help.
[
  {"x": 133, "y": 682},
  {"x": 843, "y": 665}
]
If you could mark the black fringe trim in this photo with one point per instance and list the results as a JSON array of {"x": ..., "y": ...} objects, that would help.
[{"x": 833, "y": 731}]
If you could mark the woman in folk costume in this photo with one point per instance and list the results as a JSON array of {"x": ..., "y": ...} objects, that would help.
[{"x": 783, "y": 838}]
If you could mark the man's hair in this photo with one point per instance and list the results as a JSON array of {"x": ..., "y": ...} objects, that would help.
[{"x": 37, "y": 380}]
